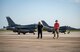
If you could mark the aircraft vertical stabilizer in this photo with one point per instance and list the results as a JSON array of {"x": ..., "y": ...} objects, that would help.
[
  {"x": 10, "y": 21},
  {"x": 44, "y": 23}
]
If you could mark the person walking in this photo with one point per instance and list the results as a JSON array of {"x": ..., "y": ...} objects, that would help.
[
  {"x": 56, "y": 29},
  {"x": 40, "y": 26}
]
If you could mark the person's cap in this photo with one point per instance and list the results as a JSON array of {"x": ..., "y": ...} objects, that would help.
[{"x": 56, "y": 21}]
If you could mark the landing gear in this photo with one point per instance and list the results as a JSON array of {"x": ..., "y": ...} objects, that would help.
[
  {"x": 24, "y": 33},
  {"x": 33, "y": 33},
  {"x": 18, "y": 33},
  {"x": 64, "y": 32}
]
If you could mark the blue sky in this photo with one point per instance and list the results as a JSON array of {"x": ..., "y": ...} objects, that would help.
[{"x": 31, "y": 11}]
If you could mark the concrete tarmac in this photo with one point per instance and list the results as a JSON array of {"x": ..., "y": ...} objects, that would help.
[{"x": 12, "y": 42}]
